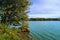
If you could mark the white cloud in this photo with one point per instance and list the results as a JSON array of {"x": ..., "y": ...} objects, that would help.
[
  {"x": 50, "y": 7},
  {"x": 44, "y": 15}
]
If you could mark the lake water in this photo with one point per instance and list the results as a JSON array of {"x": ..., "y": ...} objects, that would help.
[{"x": 45, "y": 30}]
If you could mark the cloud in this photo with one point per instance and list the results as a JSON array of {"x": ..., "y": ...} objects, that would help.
[
  {"x": 45, "y": 8},
  {"x": 45, "y": 16}
]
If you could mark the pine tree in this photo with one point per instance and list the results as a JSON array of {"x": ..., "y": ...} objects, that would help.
[{"x": 14, "y": 11}]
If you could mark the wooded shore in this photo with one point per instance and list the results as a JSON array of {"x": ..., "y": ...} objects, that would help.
[{"x": 44, "y": 19}]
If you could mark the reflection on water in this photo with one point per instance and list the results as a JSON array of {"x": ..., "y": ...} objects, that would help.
[{"x": 45, "y": 30}]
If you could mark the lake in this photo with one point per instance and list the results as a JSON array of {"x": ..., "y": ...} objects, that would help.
[{"x": 45, "y": 30}]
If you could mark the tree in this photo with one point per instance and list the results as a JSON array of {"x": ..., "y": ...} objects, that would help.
[{"x": 14, "y": 11}]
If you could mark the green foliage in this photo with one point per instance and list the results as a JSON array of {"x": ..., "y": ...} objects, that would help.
[
  {"x": 5, "y": 36},
  {"x": 14, "y": 10},
  {"x": 12, "y": 34}
]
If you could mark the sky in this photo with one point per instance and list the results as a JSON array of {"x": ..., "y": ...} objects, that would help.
[{"x": 44, "y": 9}]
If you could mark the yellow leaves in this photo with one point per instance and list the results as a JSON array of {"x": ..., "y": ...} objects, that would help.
[
  {"x": 13, "y": 34},
  {"x": 10, "y": 32}
]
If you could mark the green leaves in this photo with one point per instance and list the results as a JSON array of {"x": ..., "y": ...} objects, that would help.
[{"x": 14, "y": 10}]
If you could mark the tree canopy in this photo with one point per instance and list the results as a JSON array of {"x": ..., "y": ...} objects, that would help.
[{"x": 14, "y": 11}]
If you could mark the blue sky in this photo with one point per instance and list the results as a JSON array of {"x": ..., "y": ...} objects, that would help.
[{"x": 45, "y": 9}]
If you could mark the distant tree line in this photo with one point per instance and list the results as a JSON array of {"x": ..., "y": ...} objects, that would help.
[{"x": 44, "y": 19}]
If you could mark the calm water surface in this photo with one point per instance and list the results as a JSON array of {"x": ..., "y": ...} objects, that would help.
[{"x": 45, "y": 30}]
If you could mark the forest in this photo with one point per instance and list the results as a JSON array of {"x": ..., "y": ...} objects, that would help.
[{"x": 44, "y": 19}]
